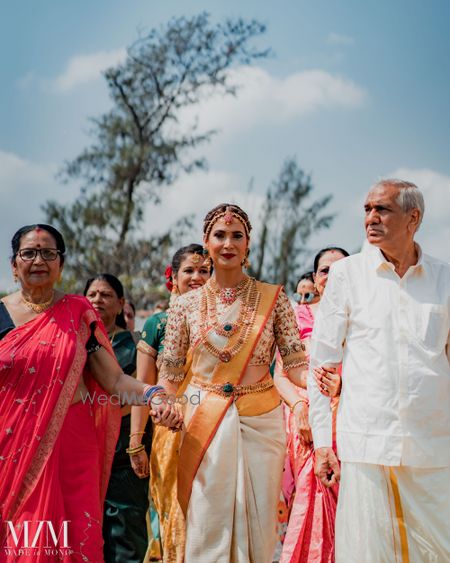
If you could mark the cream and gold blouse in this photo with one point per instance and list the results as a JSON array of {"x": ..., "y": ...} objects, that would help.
[{"x": 183, "y": 330}]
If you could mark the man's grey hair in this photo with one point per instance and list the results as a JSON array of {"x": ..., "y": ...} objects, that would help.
[{"x": 409, "y": 196}]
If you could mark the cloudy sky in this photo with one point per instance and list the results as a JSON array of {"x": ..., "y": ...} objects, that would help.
[{"x": 355, "y": 90}]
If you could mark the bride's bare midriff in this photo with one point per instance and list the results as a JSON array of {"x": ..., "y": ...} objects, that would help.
[{"x": 254, "y": 374}]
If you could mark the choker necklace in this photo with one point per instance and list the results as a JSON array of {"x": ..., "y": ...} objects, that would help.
[
  {"x": 228, "y": 295},
  {"x": 39, "y": 307}
]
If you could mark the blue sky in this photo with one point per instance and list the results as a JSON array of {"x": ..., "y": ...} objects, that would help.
[{"x": 355, "y": 90}]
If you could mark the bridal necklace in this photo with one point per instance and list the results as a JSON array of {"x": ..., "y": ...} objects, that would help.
[
  {"x": 243, "y": 325},
  {"x": 39, "y": 307}
]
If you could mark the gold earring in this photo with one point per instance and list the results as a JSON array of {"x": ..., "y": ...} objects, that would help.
[
  {"x": 246, "y": 262},
  {"x": 16, "y": 278},
  {"x": 60, "y": 277},
  {"x": 207, "y": 262},
  {"x": 175, "y": 288}
]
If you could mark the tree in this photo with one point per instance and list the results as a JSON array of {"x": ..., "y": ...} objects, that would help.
[
  {"x": 139, "y": 145},
  {"x": 287, "y": 223}
]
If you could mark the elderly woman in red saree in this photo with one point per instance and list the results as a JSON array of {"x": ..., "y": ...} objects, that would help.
[
  {"x": 312, "y": 507},
  {"x": 60, "y": 391},
  {"x": 232, "y": 452}
]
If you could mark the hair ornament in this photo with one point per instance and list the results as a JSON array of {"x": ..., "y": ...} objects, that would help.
[
  {"x": 197, "y": 258},
  {"x": 168, "y": 276},
  {"x": 228, "y": 216}
]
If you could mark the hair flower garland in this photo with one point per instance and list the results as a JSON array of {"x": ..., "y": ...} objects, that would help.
[{"x": 168, "y": 276}]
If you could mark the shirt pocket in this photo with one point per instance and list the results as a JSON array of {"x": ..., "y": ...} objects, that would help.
[{"x": 432, "y": 326}]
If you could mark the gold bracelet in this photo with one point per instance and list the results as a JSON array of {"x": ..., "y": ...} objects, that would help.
[
  {"x": 292, "y": 407},
  {"x": 136, "y": 450},
  {"x": 136, "y": 433}
]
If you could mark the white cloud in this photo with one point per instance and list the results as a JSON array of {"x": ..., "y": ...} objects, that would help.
[
  {"x": 197, "y": 193},
  {"x": 340, "y": 39},
  {"x": 263, "y": 98},
  {"x": 85, "y": 68},
  {"x": 24, "y": 187}
]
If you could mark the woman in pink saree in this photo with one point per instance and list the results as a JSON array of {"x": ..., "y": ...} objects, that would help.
[
  {"x": 312, "y": 507},
  {"x": 60, "y": 389}
]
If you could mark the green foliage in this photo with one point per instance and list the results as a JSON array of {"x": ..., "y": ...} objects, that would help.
[
  {"x": 287, "y": 223},
  {"x": 139, "y": 146}
]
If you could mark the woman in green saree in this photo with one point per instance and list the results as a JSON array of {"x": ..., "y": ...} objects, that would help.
[{"x": 126, "y": 503}]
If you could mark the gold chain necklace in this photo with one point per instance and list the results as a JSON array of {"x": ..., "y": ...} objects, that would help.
[
  {"x": 113, "y": 335},
  {"x": 244, "y": 324},
  {"x": 39, "y": 307}
]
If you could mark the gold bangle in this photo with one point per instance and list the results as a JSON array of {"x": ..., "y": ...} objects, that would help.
[
  {"x": 136, "y": 433},
  {"x": 292, "y": 407},
  {"x": 136, "y": 450}
]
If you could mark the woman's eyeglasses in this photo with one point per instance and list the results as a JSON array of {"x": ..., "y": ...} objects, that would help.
[
  {"x": 307, "y": 297},
  {"x": 47, "y": 254}
]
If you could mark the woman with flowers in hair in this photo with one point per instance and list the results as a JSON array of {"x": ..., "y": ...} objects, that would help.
[
  {"x": 186, "y": 272},
  {"x": 232, "y": 452}
]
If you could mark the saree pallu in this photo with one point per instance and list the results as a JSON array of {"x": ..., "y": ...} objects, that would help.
[
  {"x": 55, "y": 457},
  {"x": 393, "y": 514},
  {"x": 231, "y": 456}
]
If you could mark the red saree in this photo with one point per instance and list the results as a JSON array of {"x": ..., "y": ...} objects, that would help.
[{"x": 55, "y": 457}]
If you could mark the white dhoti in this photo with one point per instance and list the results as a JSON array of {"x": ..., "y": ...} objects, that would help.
[
  {"x": 393, "y": 514},
  {"x": 232, "y": 513}
]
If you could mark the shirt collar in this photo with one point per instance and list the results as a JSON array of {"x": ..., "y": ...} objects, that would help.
[{"x": 378, "y": 260}]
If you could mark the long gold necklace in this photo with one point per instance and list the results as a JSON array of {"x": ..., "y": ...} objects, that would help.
[
  {"x": 242, "y": 326},
  {"x": 39, "y": 307}
]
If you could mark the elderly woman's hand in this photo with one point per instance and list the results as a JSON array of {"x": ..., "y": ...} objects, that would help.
[{"x": 328, "y": 380}]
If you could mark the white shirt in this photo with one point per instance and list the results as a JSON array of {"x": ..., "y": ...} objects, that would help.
[{"x": 391, "y": 334}]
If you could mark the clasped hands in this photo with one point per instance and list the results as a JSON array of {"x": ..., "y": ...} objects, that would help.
[{"x": 166, "y": 413}]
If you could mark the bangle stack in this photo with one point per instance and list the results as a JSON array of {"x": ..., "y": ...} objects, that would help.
[{"x": 150, "y": 391}]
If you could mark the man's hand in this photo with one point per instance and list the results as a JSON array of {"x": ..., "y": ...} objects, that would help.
[{"x": 327, "y": 466}]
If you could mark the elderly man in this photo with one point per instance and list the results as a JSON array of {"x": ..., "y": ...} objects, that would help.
[{"x": 385, "y": 315}]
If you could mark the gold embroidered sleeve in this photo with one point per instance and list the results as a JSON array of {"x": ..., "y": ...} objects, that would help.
[
  {"x": 146, "y": 349},
  {"x": 176, "y": 344},
  {"x": 287, "y": 335}
]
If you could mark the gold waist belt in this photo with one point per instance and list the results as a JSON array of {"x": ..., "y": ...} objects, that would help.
[{"x": 228, "y": 389}]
